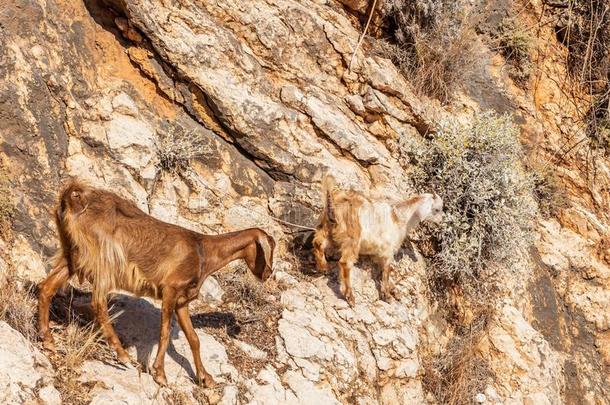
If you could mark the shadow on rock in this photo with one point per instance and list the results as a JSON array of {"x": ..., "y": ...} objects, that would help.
[
  {"x": 217, "y": 320},
  {"x": 137, "y": 322}
]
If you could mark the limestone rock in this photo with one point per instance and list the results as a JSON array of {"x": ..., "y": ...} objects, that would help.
[
  {"x": 87, "y": 89},
  {"x": 25, "y": 373}
]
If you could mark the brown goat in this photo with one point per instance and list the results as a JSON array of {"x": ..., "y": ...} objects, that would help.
[
  {"x": 110, "y": 242},
  {"x": 363, "y": 225}
]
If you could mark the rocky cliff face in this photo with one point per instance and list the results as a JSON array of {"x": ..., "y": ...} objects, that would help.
[{"x": 223, "y": 115}]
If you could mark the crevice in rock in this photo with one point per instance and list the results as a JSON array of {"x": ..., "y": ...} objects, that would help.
[{"x": 98, "y": 7}]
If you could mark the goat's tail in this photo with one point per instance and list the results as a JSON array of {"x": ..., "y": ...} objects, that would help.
[{"x": 328, "y": 184}]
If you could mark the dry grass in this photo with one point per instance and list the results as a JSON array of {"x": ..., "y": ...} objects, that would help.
[
  {"x": 18, "y": 305},
  {"x": 250, "y": 311},
  {"x": 457, "y": 374},
  {"x": 75, "y": 345},
  {"x": 433, "y": 43},
  {"x": 75, "y": 342}
]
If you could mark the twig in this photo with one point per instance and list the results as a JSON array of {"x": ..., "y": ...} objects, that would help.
[
  {"x": 308, "y": 228},
  {"x": 366, "y": 27}
]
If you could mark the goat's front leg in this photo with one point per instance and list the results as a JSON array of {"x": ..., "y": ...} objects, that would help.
[
  {"x": 184, "y": 319},
  {"x": 348, "y": 258},
  {"x": 101, "y": 315},
  {"x": 386, "y": 288},
  {"x": 167, "y": 309},
  {"x": 47, "y": 289}
]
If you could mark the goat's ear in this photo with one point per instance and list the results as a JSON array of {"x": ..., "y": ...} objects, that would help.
[
  {"x": 59, "y": 212},
  {"x": 264, "y": 257}
]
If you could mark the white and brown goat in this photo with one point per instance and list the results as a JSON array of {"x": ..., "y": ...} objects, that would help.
[{"x": 362, "y": 225}]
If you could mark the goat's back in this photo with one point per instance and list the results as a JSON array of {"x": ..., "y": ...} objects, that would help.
[
  {"x": 115, "y": 245},
  {"x": 381, "y": 234},
  {"x": 369, "y": 222}
]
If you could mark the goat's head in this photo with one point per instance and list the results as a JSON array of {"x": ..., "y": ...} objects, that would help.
[
  {"x": 263, "y": 267},
  {"x": 74, "y": 199},
  {"x": 431, "y": 208}
]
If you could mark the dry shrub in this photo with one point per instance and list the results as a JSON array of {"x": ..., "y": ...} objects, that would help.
[
  {"x": 176, "y": 150},
  {"x": 7, "y": 206},
  {"x": 598, "y": 122},
  {"x": 207, "y": 396},
  {"x": 433, "y": 42},
  {"x": 583, "y": 26},
  {"x": 175, "y": 396}
]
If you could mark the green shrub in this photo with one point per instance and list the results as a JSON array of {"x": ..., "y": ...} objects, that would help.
[{"x": 489, "y": 206}]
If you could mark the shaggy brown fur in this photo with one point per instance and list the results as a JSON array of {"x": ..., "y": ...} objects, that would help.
[
  {"x": 110, "y": 242},
  {"x": 376, "y": 226}
]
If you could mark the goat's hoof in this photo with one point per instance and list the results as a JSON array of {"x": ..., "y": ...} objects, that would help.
[
  {"x": 123, "y": 357},
  {"x": 207, "y": 380},
  {"x": 159, "y": 377},
  {"x": 49, "y": 344},
  {"x": 350, "y": 300},
  {"x": 322, "y": 268}
]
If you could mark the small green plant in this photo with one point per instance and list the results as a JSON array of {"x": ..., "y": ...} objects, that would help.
[
  {"x": 549, "y": 193},
  {"x": 7, "y": 206},
  {"x": 515, "y": 43}
]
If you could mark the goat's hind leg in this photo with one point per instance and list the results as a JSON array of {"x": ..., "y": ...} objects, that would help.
[
  {"x": 184, "y": 319},
  {"x": 320, "y": 243},
  {"x": 47, "y": 289},
  {"x": 167, "y": 309},
  {"x": 387, "y": 288},
  {"x": 101, "y": 315}
]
